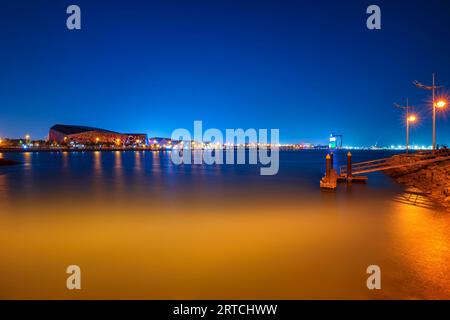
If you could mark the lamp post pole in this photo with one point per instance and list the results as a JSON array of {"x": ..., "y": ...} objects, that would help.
[
  {"x": 434, "y": 115},
  {"x": 407, "y": 135},
  {"x": 407, "y": 121},
  {"x": 433, "y": 88}
]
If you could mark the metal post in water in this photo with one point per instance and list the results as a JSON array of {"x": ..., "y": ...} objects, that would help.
[{"x": 349, "y": 164}]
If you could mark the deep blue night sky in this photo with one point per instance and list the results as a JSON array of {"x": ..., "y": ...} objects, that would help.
[{"x": 308, "y": 68}]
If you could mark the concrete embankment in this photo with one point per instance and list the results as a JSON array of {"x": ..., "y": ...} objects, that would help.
[{"x": 433, "y": 178}]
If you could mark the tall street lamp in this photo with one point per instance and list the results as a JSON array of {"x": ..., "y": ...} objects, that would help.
[
  {"x": 409, "y": 119},
  {"x": 433, "y": 89},
  {"x": 406, "y": 108}
]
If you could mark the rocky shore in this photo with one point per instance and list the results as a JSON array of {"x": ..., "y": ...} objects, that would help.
[{"x": 433, "y": 179}]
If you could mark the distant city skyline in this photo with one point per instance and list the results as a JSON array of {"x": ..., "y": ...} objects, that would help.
[{"x": 308, "y": 69}]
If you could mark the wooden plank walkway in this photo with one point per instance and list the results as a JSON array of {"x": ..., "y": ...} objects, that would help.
[{"x": 391, "y": 163}]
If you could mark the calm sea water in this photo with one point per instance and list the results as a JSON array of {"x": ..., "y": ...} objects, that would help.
[
  {"x": 154, "y": 174},
  {"x": 141, "y": 227}
]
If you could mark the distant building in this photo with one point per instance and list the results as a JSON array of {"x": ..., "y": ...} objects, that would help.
[
  {"x": 335, "y": 141},
  {"x": 163, "y": 142},
  {"x": 88, "y": 135}
]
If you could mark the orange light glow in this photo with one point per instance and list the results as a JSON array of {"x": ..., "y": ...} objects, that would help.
[
  {"x": 412, "y": 119},
  {"x": 441, "y": 104}
]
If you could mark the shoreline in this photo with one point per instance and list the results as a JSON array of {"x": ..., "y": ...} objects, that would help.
[
  {"x": 433, "y": 179},
  {"x": 281, "y": 148},
  {"x": 21, "y": 150}
]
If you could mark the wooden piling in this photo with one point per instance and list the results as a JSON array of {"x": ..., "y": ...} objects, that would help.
[
  {"x": 328, "y": 166},
  {"x": 332, "y": 159},
  {"x": 330, "y": 179},
  {"x": 349, "y": 164}
]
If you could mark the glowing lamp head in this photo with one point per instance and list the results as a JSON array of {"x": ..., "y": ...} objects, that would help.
[
  {"x": 412, "y": 119},
  {"x": 441, "y": 104},
  {"x": 97, "y": 139}
]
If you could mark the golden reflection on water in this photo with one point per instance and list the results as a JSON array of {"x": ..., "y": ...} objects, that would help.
[
  {"x": 119, "y": 183},
  {"x": 427, "y": 236},
  {"x": 141, "y": 229},
  {"x": 276, "y": 249},
  {"x": 65, "y": 156}
]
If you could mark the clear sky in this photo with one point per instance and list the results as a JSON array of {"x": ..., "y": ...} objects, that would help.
[{"x": 308, "y": 68}]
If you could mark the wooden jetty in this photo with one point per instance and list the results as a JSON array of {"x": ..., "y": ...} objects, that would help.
[
  {"x": 331, "y": 178},
  {"x": 399, "y": 161},
  {"x": 352, "y": 171}
]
